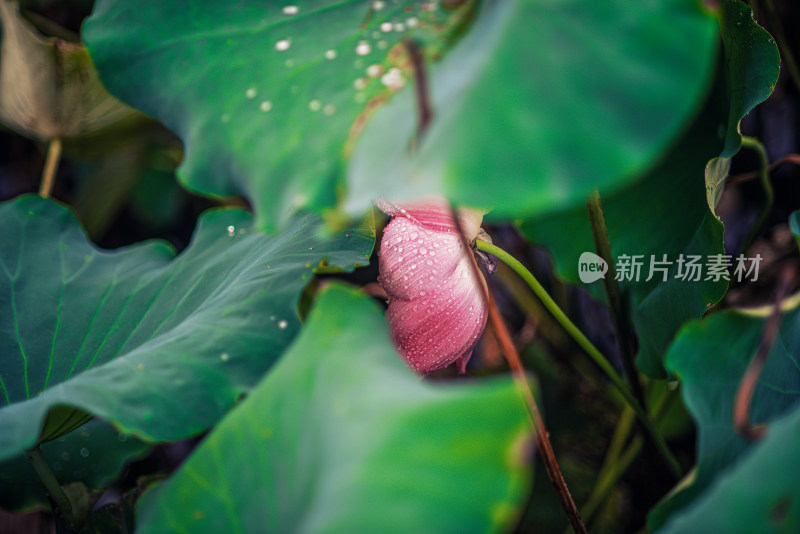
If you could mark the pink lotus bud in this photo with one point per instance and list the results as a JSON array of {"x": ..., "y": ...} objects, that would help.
[{"x": 436, "y": 309}]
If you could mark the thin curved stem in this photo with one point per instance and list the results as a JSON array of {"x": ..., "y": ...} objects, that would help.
[
  {"x": 521, "y": 379},
  {"x": 587, "y": 346},
  {"x": 50, "y": 166},
  {"x": 769, "y": 196},
  {"x": 789, "y": 158},
  {"x": 50, "y": 482}
]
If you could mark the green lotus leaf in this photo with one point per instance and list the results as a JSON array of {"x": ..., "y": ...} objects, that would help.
[
  {"x": 342, "y": 437},
  {"x": 266, "y": 96},
  {"x": 162, "y": 346},
  {"x": 540, "y": 103},
  {"x": 710, "y": 356}
]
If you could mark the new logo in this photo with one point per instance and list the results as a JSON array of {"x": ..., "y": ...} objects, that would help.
[{"x": 591, "y": 267}]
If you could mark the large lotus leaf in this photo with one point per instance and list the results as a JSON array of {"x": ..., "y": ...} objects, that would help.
[
  {"x": 710, "y": 356},
  {"x": 664, "y": 214},
  {"x": 541, "y": 102},
  {"x": 161, "y": 346},
  {"x": 670, "y": 212},
  {"x": 48, "y": 87},
  {"x": 762, "y": 494},
  {"x": 342, "y": 437},
  {"x": 93, "y": 454},
  {"x": 264, "y": 94}
]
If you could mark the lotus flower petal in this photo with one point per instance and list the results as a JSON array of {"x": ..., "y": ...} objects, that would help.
[{"x": 436, "y": 309}]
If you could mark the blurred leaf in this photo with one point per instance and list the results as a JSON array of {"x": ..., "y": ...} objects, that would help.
[
  {"x": 261, "y": 91},
  {"x": 542, "y": 102},
  {"x": 48, "y": 87},
  {"x": 761, "y": 494},
  {"x": 342, "y": 437},
  {"x": 710, "y": 356},
  {"x": 93, "y": 455},
  {"x": 666, "y": 213},
  {"x": 161, "y": 346}
]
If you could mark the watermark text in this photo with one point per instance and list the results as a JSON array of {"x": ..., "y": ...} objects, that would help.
[{"x": 686, "y": 267}]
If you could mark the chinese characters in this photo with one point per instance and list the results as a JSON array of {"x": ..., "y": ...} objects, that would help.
[{"x": 687, "y": 267}]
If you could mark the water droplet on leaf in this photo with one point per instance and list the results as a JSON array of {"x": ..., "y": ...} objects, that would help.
[
  {"x": 363, "y": 48},
  {"x": 393, "y": 79},
  {"x": 373, "y": 71}
]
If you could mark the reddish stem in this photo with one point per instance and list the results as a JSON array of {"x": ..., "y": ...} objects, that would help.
[
  {"x": 791, "y": 158},
  {"x": 518, "y": 372},
  {"x": 747, "y": 386}
]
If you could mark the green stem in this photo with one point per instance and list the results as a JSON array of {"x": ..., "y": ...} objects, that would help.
[
  {"x": 609, "y": 479},
  {"x": 769, "y": 196},
  {"x": 621, "y": 434},
  {"x": 50, "y": 482},
  {"x": 50, "y": 166},
  {"x": 612, "y": 459},
  {"x": 616, "y": 462},
  {"x": 619, "y": 313},
  {"x": 582, "y": 341}
]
